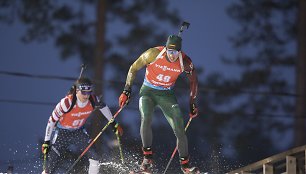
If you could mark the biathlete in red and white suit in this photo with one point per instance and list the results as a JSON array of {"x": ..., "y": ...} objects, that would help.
[{"x": 69, "y": 126}]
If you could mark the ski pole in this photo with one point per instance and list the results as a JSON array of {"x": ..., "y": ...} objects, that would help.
[
  {"x": 120, "y": 148},
  {"x": 94, "y": 140},
  {"x": 174, "y": 152},
  {"x": 45, "y": 160}
]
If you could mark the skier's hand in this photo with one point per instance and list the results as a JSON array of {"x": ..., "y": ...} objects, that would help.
[
  {"x": 118, "y": 129},
  {"x": 193, "y": 110},
  {"x": 45, "y": 147},
  {"x": 124, "y": 97}
]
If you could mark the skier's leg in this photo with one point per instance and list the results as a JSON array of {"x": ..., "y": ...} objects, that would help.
[
  {"x": 94, "y": 161},
  {"x": 52, "y": 160},
  {"x": 146, "y": 107},
  {"x": 93, "y": 166},
  {"x": 82, "y": 141},
  {"x": 174, "y": 116},
  {"x": 58, "y": 145}
]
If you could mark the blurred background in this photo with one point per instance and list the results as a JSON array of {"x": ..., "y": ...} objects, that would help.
[{"x": 249, "y": 55}]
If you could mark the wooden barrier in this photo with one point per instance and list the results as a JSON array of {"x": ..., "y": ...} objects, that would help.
[{"x": 288, "y": 162}]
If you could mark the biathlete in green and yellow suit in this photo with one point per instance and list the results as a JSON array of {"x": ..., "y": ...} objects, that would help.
[{"x": 163, "y": 66}]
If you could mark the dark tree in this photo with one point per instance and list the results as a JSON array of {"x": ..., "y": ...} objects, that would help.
[
  {"x": 256, "y": 109},
  {"x": 300, "y": 113},
  {"x": 83, "y": 29},
  {"x": 107, "y": 35}
]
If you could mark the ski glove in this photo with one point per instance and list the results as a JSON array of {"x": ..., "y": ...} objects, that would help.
[
  {"x": 117, "y": 128},
  {"x": 124, "y": 97},
  {"x": 193, "y": 110},
  {"x": 45, "y": 147}
]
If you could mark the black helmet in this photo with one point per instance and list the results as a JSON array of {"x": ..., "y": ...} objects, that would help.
[
  {"x": 174, "y": 42},
  {"x": 84, "y": 84}
]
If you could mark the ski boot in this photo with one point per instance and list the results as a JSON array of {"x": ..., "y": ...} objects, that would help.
[
  {"x": 146, "y": 165},
  {"x": 185, "y": 166},
  {"x": 190, "y": 170}
]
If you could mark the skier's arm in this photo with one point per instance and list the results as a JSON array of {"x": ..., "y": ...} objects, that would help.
[
  {"x": 193, "y": 83},
  {"x": 193, "y": 79},
  {"x": 105, "y": 111},
  {"x": 49, "y": 128},
  {"x": 144, "y": 59},
  {"x": 58, "y": 111},
  {"x": 45, "y": 147}
]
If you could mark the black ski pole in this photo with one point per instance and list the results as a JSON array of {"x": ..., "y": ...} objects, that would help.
[
  {"x": 95, "y": 139},
  {"x": 174, "y": 152}
]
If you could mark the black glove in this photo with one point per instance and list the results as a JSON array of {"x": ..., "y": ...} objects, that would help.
[
  {"x": 193, "y": 110},
  {"x": 117, "y": 128},
  {"x": 45, "y": 147}
]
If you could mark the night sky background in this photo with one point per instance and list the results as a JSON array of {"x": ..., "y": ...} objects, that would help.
[{"x": 27, "y": 99}]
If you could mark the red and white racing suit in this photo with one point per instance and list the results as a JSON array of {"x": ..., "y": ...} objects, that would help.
[{"x": 69, "y": 130}]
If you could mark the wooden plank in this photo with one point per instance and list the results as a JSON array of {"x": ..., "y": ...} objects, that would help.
[
  {"x": 290, "y": 164},
  {"x": 267, "y": 169},
  {"x": 305, "y": 162},
  {"x": 275, "y": 158}
]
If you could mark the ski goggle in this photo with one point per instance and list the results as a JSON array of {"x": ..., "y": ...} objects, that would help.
[
  {"x": 172, "y": 51},
  {"x": 85, "y": 89},
  {"x": 172, "y": 54},
  {"x": 86, "y": 92}
]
